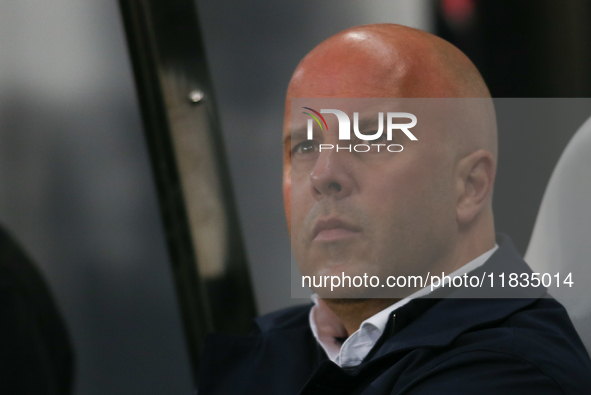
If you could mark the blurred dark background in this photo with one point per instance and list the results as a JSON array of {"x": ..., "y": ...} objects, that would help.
[
  {"x": 525, "y": 49},
  {"x": 75, "y": 181}
]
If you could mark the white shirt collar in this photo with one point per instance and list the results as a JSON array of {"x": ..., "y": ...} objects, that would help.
[{"x": 326, "y": 327}]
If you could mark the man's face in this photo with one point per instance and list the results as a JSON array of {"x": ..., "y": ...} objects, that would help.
[{"x": 376, "y": 213}]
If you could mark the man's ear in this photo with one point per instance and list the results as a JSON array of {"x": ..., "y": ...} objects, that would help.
[{"x": 475, "y": 178}]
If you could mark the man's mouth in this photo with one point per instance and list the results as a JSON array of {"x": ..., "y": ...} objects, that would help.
[{"x": 333, "y": 229}]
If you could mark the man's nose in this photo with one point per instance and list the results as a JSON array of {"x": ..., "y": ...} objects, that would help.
[{"x": 332, "y": 175}]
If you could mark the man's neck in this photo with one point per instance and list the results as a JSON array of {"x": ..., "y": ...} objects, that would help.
[{"x": 352, "y": 312}]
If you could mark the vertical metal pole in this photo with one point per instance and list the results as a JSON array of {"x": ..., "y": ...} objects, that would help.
[{"x": 185, "y": 143}]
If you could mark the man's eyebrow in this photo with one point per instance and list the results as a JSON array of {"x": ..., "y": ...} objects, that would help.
[
  {"x": 297, "y": 134},
  {"x": 365, "y": 122}
]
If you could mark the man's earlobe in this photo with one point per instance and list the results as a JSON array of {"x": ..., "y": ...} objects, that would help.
[{"x": 476, "y": 175}]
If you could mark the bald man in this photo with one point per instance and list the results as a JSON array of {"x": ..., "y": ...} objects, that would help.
[{"x": 426, "y": 208}]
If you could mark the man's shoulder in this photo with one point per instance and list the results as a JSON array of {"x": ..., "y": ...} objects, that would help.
[
  {"x": 533, "y": 348},
  {"x": 294, "y": 317},
  {"x": 542, "y": 326},
  {"x": 544, "y": 334},
  {"x": 539, "y": 341}
]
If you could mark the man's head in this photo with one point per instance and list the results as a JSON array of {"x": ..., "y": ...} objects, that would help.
[{"x": 425, "y": 208}]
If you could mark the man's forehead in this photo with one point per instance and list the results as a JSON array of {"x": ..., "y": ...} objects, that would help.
[
  {"x": 378, "y": 62},
  {"x": 437, "y": 118},
  {"x": 303, "y": 109}
]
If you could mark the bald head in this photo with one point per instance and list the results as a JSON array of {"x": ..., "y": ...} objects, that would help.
[
  {"x": 393, "y": 61},
  {"x": 390, "y": 61}
]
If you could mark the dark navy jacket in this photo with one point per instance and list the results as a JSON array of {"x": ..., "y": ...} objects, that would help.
[{"x": 430, "y": 346}]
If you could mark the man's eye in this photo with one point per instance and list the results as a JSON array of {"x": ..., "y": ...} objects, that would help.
[{"x": 306, "y": 147}]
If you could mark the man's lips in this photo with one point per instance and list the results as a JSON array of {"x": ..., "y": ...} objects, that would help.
[{"x": 332, "y": 229}]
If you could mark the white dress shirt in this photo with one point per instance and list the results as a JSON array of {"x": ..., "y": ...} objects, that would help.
[{"x": 327, "y": 328}]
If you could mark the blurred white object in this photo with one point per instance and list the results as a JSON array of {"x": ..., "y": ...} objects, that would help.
[{"x": 561, "y": 239}]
